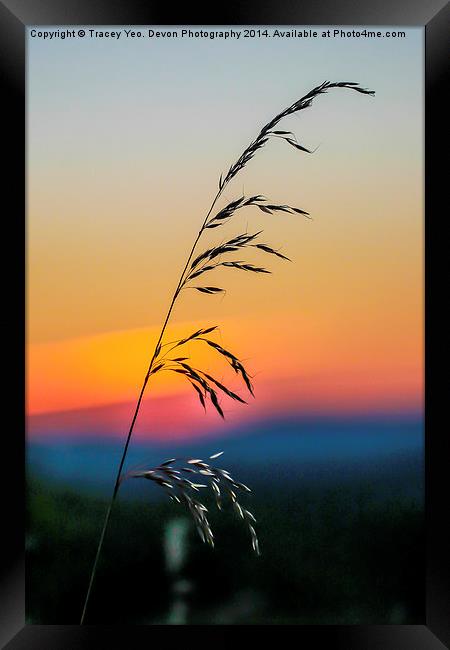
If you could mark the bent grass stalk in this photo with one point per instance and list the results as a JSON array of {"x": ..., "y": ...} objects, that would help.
[
  {"x": 171, "y": 476},
  {"x": 207, "y": 261}
]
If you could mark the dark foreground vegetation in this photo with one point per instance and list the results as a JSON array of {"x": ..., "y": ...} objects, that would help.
[{"x": 329, "y": 556}]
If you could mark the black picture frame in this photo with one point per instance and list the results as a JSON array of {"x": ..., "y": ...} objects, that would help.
[{"x": 15, "y": 16}]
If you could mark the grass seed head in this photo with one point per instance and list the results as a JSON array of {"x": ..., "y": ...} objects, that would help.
[{"x": 180, "y": 490}]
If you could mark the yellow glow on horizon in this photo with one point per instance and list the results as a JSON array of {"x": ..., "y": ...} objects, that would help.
[{"x": 283, "y": 351}]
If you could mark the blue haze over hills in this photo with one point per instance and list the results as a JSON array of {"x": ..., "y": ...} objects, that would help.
[{"x": 385, "y": 452}]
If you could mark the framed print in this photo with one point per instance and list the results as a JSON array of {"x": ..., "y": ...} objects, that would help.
[{"x": 224, "y": 413}]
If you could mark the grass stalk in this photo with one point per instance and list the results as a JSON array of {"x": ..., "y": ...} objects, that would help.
[
  {"x": 136, "y": 411},
  {"x": 208, "y": 260}
]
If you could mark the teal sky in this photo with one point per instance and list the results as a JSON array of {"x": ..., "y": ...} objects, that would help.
[{"x": 180, "y": 92}]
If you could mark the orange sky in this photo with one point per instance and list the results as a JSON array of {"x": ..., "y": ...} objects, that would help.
[
  {"x": 118, "y": 183},
  {"x": 308, "y": 366}
]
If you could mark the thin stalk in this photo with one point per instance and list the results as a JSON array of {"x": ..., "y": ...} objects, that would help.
[
  {"x": 138, "y": 406},
  {"x": 265, "y": 133}
]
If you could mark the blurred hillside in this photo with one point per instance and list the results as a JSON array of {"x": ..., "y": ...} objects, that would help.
[{"x": 333, "y": 551}]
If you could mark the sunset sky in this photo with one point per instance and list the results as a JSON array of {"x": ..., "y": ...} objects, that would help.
[{"x": 126, "y": 142}]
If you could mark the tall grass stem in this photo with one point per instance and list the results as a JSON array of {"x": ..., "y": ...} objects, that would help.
[{"x": 136, "y": 412}]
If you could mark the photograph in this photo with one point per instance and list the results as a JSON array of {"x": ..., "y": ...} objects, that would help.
[{"x": 225, "y": 333}]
